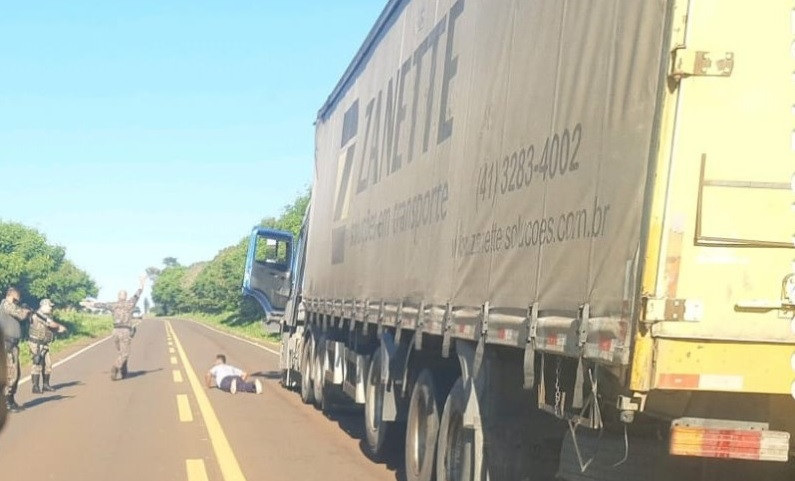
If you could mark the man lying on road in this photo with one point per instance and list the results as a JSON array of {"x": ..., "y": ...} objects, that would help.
[{"x": 229, "y": 378}]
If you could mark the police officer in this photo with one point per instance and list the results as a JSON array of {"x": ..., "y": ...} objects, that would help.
[
  {"x": 11, "y": 315},
  {"x": 123, "y": 329},
  {"x": 41, "y": 334},
  {"x": 2, "y": 379}
]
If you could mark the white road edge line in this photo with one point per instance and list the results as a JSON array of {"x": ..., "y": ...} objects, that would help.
[
  {"x": 232, "y": 336},
  {"x": 70, "y": 357}
]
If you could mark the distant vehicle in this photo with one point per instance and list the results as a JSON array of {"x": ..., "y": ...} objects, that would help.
[
  {"x": 137, "y": 313},
  {"x": 548, "y": 233},
  {"x": 87, "y": 307}
]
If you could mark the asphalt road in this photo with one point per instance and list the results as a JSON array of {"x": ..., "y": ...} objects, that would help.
[{"x": 161, "y": 423}]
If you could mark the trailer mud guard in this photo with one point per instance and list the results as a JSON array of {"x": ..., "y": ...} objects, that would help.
[{"x": 474, "y": 379}]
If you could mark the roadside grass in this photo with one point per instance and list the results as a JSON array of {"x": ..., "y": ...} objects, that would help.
[
  {"x": 81, "y": 326},
  {"x": 231, "y": 322}
]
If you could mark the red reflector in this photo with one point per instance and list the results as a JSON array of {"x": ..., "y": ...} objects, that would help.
[
  {"x": 678, "y": 381},
  {"x": 730, "y": 443}
]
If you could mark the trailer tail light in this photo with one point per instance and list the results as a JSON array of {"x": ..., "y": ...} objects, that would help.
[{"x": 708, "y": 438}]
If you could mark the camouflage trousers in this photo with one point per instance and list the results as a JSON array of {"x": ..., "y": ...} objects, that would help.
[
  {"x": 122, "y": 338},
  {"x": 12, "y": 369},
  {"x": 43, "y": 350}
]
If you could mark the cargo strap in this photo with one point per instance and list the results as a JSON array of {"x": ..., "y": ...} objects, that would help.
[
  {"x": 577, "y": 401},
  {"x": 420, "y": 326},
  {"x": 446, "y": 323},
  {"x": 529, "y": 349}
]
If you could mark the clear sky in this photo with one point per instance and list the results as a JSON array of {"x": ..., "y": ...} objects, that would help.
[{"x": 132, "y": 131}]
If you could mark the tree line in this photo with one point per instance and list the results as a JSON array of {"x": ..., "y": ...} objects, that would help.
[
  {"x": 214, "y": 287},
  {"x": 40, "y": 269}
]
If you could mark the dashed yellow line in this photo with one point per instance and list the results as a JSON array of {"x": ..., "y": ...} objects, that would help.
[
  {"x": 173, "y": 359},
  {"x": 171, "y": 350},
  {"x": 196, "y": 470},
  {"x": 177, "y": 375},
  {"x": 183, "y": 406},
  {"x": 230, "y": 469}
]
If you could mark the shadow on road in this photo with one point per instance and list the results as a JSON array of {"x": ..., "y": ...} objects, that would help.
[
  {"x": 349, "y": 417},
  {"x": 44, "y": 399},
  {"x": 268, "y": 375},
  {"x": 134, "y": 374},
  {"x": 67, "y": 384}
]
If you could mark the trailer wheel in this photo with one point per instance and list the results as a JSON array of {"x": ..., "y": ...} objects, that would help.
[
  {"x": 307, "y": 391},
  {"x": 455, "y": 451},
  {"x": 423, "y": 428},
  {"x": 375, "y": 428},
  {"x": 318, "y": 371}
]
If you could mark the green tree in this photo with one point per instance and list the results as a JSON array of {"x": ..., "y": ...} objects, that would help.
[
  {"x": 217, "y": 287},
  {"x": 169, "y": 292},
  {"x": 40, "y": 269},
  {"x": 292, "y": 215},
  {"x": 170, "y": 262}
]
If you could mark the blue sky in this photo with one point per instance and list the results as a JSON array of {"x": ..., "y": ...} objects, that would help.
[{"x": 132, "y": 131}]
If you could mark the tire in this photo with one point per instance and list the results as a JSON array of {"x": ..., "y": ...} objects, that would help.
[
  {"x": 307, "y": 390},
  {"x": 375, "y": 428},
  {"x": 455, "y": 449},
  {"x": 422, "y": 429},
  {"x": 318, "y": 371}
]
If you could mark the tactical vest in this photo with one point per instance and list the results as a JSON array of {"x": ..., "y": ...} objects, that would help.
[
  {"x": 39, "y": 332},
  {"x": 10, "y": 326}
]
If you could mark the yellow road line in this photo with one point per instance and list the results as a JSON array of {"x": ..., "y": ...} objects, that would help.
[
  {"x": 183, "y": 406},
  {"x": 196, "y": 471},
  {"x": 177, "y": 375},
  {"x": 173, "y": 359},
  {"x": 171, "y": 350},
  {"x": 230, "y": 469}
]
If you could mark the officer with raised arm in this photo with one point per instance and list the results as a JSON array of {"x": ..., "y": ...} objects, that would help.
[
  {"x": 41, "y": 334},
  {"x": 121, "y": 310},
  {"x": 11, "y": 316}
]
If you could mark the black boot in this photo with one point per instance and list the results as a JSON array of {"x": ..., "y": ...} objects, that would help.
[
  {"x": 34, "y": 380},
  {"x": 12, "y": 405},
  {"x": 123, "y": 370},
  {"x": 45, "y": 387}
]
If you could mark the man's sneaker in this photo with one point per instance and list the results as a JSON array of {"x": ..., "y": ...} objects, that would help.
[
  {"x": 258, "y": 386},
  {"x": 233, "y": 387}
]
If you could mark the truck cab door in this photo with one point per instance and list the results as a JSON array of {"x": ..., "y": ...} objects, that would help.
[{"x": 267, "y": 276}]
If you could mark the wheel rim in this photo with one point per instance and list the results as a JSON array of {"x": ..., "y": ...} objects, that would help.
[
  {"x": 418, "y": 435},
  {"x": 459, "y": 446},
  {"x": 306, "y": 371},
  {"x": 376, "y": 394}
]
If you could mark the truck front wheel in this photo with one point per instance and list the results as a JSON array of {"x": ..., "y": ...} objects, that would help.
[
  {"x": 423, "y": 428},
  {"x": 375, "y": 428},
  {"x": 307, "y": 391},
  {"x": 318, "y": 369},
  {"x": 455, "y": 451}
]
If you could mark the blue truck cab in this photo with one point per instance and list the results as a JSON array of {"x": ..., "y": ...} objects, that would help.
[{"x": 269, "y": 266}]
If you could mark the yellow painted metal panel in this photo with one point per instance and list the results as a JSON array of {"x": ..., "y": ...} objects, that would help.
[{"x": 723, "y": 366}]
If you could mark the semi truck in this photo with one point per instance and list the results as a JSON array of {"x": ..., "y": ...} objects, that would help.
[{"x": 553, "y": 240}]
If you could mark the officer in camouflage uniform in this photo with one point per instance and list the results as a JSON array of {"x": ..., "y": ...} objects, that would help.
[
  {"x": 123, "y": 329},
  {"x": 3, "y": 408},
  {"x": 41, "y": 334},
  {"x": 11, "y": 315}
]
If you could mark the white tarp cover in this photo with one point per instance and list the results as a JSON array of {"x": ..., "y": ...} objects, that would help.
[{"x": 490, "y": 151}]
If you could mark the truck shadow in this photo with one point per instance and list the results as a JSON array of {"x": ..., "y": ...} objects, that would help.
[
  {"x": 267, "y": 375},
  {"x": 44, "y": 399},
  {"x": 350, "y": 418},
  {"x": 67, "y": 384},
  {"x": 134, "y": 374}
]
